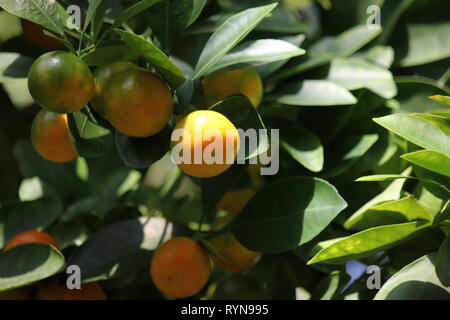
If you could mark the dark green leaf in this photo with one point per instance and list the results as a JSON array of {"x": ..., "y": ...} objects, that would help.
[
  {"x": 14, "y": 66},
  {"x": 109, "y": 54}
]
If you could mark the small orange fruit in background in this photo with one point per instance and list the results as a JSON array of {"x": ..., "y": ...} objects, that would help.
[
  {"x": 236, "y": 257},
  {"x": 34, "y": 35},
  {"x": 15, "y": 294},
  {"x": 31, "y": 236},
  {"x": 235, "y": 200},
  {"x": 55, "y": 290},
  {"x": 50, "y": 137},
  {"x": 137, "y": 103},
  {"x": 180, "y": 268},
  {"x": 195, "y": 129},
  {"x": 222, "y": 84}
]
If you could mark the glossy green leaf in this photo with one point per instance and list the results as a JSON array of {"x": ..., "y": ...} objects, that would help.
[
  {"x": 240, "y": 111},
  {"x": 49, "y": 14},
  {"x": 140, "y": 153},
  {"x": 228, "y": 35},
  {"x": 156, "y": 57},
  {"x": 311, "y": 93},
  {"x": 258, "y": 52},
  {"x": 91, "y": 12},
  {"x": 168, "y": 19},
  {"x": 443, "y": 262},
  {"x": 392, "y": 192},
  {"x": 445, "y": 100},
  {"x": 427, "y": 43},
  {"x": 304, "y": 207},
  {"x": 381, "y": 55},
  {"x": 419, "y": 130},
  {"x": 303, "y": 145},
  {"x": 91, "y": 137},
  {"x": 443, "y": 214},
  {"x": 331, "y": 286},
  {"x": 14, "y": 66},
  {"x": 355, "y": 74},
  {"x": 365, "y": 243},
  {"x": 28, "y": 263},
  {"x": 109, "y": 54},
  {"x": 197, "y": 9},
  {"x": 10, "y": 26},
  {"x": 431, "y": 160},
  {"x": 329, "y": 48},
  {"x": 416, "y": 281},
  {"x": 120, "y": 248},
  {"x": 17, "y": 217},
  {"x": 390, "y": 212}
]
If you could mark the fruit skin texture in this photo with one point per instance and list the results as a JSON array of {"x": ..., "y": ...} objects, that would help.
[
  {"x": 137, "y": 103},
  {"x": 34, "y": 35},
  {"x": 30, "y": 236},
  {"x": 180, "y": 268},
  {"x": 235, "y": 200},
  {"x": 239, "y": 287},
  {"x": 236, "y": 257},
  {"x": 54, "y": 290},
  {"x": 50, "y": 137},
  {"x": 102, "y": 76},
  {"x": 15, "y": 294},
  {"x": 202, "y": 121},
  {"x": 222, "y": 84},
  {"x": 60, "y": 82}
]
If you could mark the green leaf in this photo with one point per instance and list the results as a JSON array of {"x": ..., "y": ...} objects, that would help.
[
  {"x": 49, "y": 14},
  {"x": 355, "y": 74},
  {"x": 303, "y": 208},
  {"x": 240, "y": 111},
  {"x": 173, "y": 75},
  {"x": 445, "y": 100},
  {"x": 197, "y": 9},
  {"x": 443, "y": 262},
  {"x": 168, "y": 19},
  {"x": 130, "y": 12},
  {"x": 392, "y": 192},
  {"x": 303, "y": 145},
  {"x": 28, "y": 263},
  {"x": 419, "y": 130},
  {"x": 431, "y": 160},
  {"x": 18, "y": 217},
  {"x": 426, "y": 43},
  {"x": 109, "y": 54},
  {"x": 365, "y": 243},
  {"x": 344, "y": 154},
  {"x": 139, "y": 153},
  {"x": 443, "y": 214},
  {"x": 258, "y": 52},
  {"x": 329, "y": 48},
  {"x": 120, "y": 248},
  {"x": 91, "y": 12},
  {"x": 229, "y": 34},
  {"x": 311, "y": 93},
  {"x": 90, "y": 137},
  {"x": 282, "y": 20},
  {"x": 416, "y": 281},
  {"x": 14, "y": 66},
  {"x": 390, "y": 212},
  {"x": 10, "y": 26},
  {"x": 331, "y": 286},
  {"x": 381, "y": 55}
]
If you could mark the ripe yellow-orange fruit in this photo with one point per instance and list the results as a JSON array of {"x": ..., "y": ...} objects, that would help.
[
  {"x": 180, "y": 268},
  {"x": 236, "y": 257},
  {"x": 222, "y": 84},
  {"x": 204, "y": 143},
  {"x": 30, "y": 236},
  {"x": 137, "y": 103},
  {"x": 50, "y": 137},
  {"x": 235, "y": 200},
  {"x": 55, "y": 290}
]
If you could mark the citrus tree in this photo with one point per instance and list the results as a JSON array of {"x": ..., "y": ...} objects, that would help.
[{"x": 324, "y": 136}]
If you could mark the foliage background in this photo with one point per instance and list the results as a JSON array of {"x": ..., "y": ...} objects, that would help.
[{"x": 356, "y": 103}]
